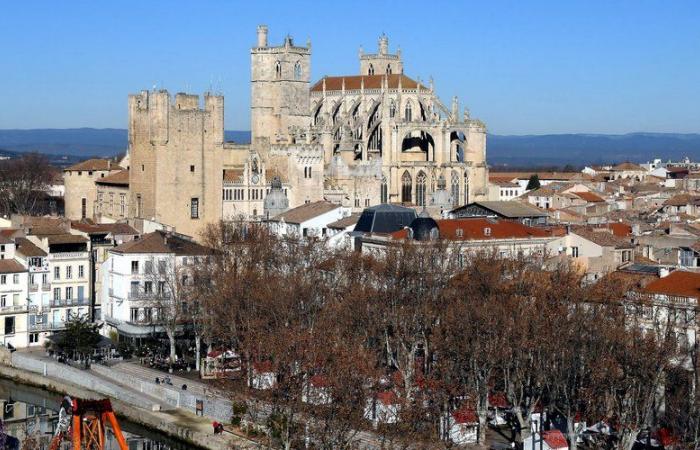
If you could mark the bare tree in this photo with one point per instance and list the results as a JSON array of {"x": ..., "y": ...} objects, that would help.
[{"x": 24, "y": 181}]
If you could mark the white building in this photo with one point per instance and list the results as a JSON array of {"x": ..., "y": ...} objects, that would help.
[
  {"x": 13, "y": 301},
  {"x": 135, "y": 272},
  {"x": 311, "y": 219}
]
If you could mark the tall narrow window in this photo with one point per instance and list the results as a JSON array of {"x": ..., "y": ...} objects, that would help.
[
  {"x": 406, "y": 188},
  {"x": 392, "y": 109},
  {"x": 278, "y": 70},
  {"x": 370, "y": 71},
  {"x": 297, "y": 71},
  {"x": 420, "y": 189},
  {"x": 194, "y": 208},
  {"x": 466, "y": 188},
  {"x": 83, "y": 208},
  {"x": 384, "y": 193},
  {"x": 388, "y": 69},
  {"x": 455, "y": 188},
  {"x": 408, "y": 113}
]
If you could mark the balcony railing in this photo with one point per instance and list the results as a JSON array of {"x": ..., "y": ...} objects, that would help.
[
  {"x": 33, "y": 287},
  {"x": 13, "y": 309},
  {"x": 68, "y": 255},
  {"x": 70, "y": 302},
  {"x": 47, "y": 326}
]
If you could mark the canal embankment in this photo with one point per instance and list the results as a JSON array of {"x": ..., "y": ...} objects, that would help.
[{"x": 138, "y": 407}]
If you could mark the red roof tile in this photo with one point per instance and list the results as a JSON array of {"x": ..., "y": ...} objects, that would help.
[
  {"x": 120, "y": 178},
  {"x": 485, "y": 229},
  {"x": 555, "y": 439},
  {"x": 589, "y": 197},
  {"x": 465, "y": 415},
  {"x": 353, "y": 82},
  {"x": 388, "y": 398},
  {"x": 678, "y": 283}
]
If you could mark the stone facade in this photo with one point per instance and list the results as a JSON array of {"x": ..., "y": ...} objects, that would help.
[{"x": 356, "y": 140}]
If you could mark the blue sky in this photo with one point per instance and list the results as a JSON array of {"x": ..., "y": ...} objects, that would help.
[{"x": 523, "y": 67}]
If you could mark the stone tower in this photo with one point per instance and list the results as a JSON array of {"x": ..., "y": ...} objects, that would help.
[
  {"x": 279, "y": 91},
  {"x": 175, "y": 147},
  {"x": 382, "y": 62}
]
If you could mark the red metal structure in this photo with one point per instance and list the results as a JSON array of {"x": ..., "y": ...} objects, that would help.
[{"x": 87, "y": 426}]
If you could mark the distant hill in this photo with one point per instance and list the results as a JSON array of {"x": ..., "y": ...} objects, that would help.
[
  {"x": 558, "y": 149},
  {"x": 554, "y": 149},
  {"x": 80, "y": 142}
]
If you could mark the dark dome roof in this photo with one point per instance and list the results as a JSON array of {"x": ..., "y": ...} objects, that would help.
[
  {"x": 385, "y": 218},
  {"x": 424, "y": 228}
]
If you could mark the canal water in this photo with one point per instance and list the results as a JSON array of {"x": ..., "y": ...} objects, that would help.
[{"x": 30, "y": 414}]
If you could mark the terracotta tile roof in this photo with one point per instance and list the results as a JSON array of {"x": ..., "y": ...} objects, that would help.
[
  {"x": 162, "y": 242},
  {"x": 66, "y": 239},
  {"x": 345, "y": 221},
  {"x": 678, "y": 283},
  {"x": 11, "y": 266},
  {"x": 589, "y": 197},
  {"x": 388, "y": 398},
  {"x": 47, "y": 231},
  {"x": 555, "y": 440},
  {"x": 305, "y": 212},
  {"x": 28, "y": 248},
  {"x": 620, "y": 229},
  {"x": 103, "y": 228},
  {"x": 602, "y": 237},
  {"x": 627, "y": 166},
  {"x": 94, "y": 164},
  {"x": 5, "y": 240},
  {"x": 10, "y": 232},
  {"x": 682, "y": 200},
  {"x": 353, "y": 82},
  {"x": 120, "y": 178},
  {"x": 465, "y": 415},
  {"x": 473, "y": 229}
]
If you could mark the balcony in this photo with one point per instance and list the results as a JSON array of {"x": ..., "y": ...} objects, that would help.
[
  {"x": 13, "y": 309},
  {"x": 33, "y": 287},
  {"x": 70, "y": 302},
  {"x": 68, "y": 255},
  {"x": 47, "y": 326}
]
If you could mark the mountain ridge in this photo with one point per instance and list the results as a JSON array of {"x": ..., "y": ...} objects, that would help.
[{"x": 559, "y": 148}]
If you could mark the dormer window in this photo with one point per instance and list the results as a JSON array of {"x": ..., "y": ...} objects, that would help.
[
  {"x": 460, "y": 232},
  {"x": 487, "y": 231}
]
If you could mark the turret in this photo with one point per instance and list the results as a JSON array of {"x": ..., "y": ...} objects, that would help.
[{"x": 262, "y": 35}]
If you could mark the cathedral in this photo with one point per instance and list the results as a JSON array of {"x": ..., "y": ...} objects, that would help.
[{"x": 378, "y": 136}]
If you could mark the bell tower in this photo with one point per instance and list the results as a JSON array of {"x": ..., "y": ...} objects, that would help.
[{"x": 280, "y": 78}]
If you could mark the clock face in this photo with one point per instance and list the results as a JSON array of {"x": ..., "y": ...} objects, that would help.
[{"x": 254, "y": 179}]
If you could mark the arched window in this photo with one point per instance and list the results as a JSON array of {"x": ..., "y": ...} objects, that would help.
[
  {"x": 466, "y": 188},
  {"x": 388, "y": 69},
  {"x": 408, "y": 112},
  {"x": 420, "y": 189},
  {"x": 370, "y": 71},
  {"x": 454, "y": 187},
  {"x": 392, "y": 109},
  {"x": 384, "y": 192},
  {"x": 406, "y": 188},
  {"x": 278, "y": 70},
  {"x": 297, "y": 71}
]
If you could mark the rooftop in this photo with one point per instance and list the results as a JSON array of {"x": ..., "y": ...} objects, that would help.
[
  {"x": 162, "y": 242},
  {"x": 11, "y": 266},
  {"x": 509, "y": 209},
  {"x": 345, "y": 221},
  {"x": 678, "y": 283},
  {"x": 93, "y": 164},
  {"x": 305, "y": 212},
  {"x": 603, "y": 237},
  {"x": 120, "y": 178},
  {"x": 28, "y": 248},
  {"x": 474, "y": 229},
  {"x": 354, "y": 82}
]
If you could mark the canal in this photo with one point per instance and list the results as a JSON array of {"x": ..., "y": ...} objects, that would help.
[{"x": 30, "y": 414}]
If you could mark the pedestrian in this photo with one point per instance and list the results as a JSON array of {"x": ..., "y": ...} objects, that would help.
[
  {"x": 157, "y": 380},
  {"x": 184, "y": 387},
  {"x": 218, "y": 427}
]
